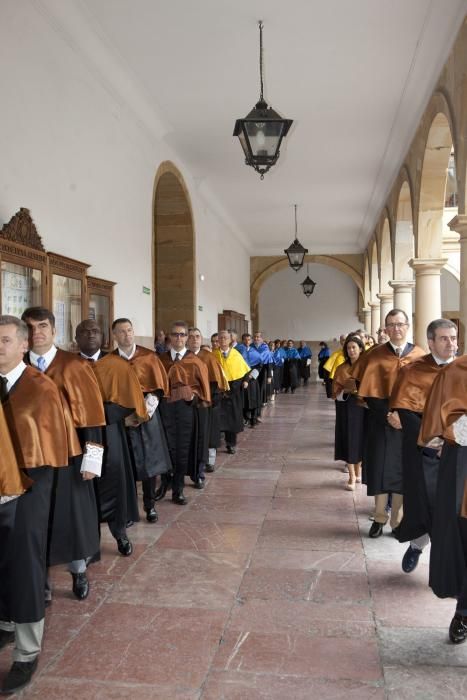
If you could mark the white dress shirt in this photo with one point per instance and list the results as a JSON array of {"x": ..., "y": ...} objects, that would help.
[{"x": 48, "y": 357}]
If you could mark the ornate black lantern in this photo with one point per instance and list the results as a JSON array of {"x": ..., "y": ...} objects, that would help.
[
  {"x": 262, "y": 130},
  {"x": 296, "y": 252},
  {"x": 308, "y": 285}
]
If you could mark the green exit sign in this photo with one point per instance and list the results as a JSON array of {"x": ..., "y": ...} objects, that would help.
[
  {"x": 146, "y": 290},
  {"x": 200, "y": 308}
]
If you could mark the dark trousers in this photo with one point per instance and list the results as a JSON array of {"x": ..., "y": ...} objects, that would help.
[
  {"x": 230, "y": 438},
  {"x": 149, "y": 492}
]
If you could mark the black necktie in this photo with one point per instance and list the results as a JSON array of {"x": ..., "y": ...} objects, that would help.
[
  {"x": 177, "y": 356},
  {"x": 3, "y": 389}
]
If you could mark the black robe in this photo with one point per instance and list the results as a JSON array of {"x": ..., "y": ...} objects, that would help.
[
  {"x": 448, "y": 558},
  {"x": 382, "y": 454},
  {"x": 231, "y": 418},
  {"x": 291, "y": 373},
  {"x": 348, "y": 442}
]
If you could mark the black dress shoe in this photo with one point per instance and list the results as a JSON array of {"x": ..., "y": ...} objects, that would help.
[
  {"x": 458, "y": 629},
  {"x": 230, "y": 449},
  {"x": 376, "y": 530},
  {"x": 124, "y": 546},
  {"x": 19, "y": 676},
  {"x": 166, "y": 484},
  {"x": 6, "y": 638},
  {"x": 396, "y": 531},
  {"x": 410, "y": 559},
  {"x": 80, "y": 585},
  {"x": 151, "y": 515},
  {"x": 209, "y": 468},
  {"x": 199, "y": 484},
  {"x": 179, "y": 499}
]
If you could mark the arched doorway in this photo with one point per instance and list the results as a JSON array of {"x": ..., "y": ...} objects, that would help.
[{"x": 173, "y": 249}]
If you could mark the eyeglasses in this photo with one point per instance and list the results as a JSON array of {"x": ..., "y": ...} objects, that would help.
[
  {"x": 178, "y": 335},
  {"x": 396, "y": 325}
]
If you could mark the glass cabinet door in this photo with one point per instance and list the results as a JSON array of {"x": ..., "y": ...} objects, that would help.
[
  {"x": 99, "y": 311},
  {"x": 67, "y": 309},
  {"x": 21, "y": 288}
]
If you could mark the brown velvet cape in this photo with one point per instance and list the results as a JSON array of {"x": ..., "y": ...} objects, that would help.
[
  {"x": 215, "y": 371},
  {"x": 119, "y": 384},
  {"x": 13, "y": 482},
  {"x": 186, "y": 377},
  {"x": 149, "y": 370},
  {"x": 376, "y": 371},
  {"x": 35, "y": 416},
  {"x": 413, "y": 384},
  {"x": 343, "y": 380}
]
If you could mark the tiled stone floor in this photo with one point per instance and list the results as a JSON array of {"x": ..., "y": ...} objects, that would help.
[{"x": 265, "y": 586}]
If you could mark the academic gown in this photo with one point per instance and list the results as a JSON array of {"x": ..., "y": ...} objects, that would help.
[
  {"x": 252, "y": 394},
  {"x": 329, "y": 369},
  {"x": 122, "y": 396},
  {"x": 219, "y": 385},
  {"x": 74, "y": 521},
  {"x": 278, "y": 359},
  {"x": 265, "y": 372},
  {"x": 31, "y": 408},
  {"x": 350, "y": 418},
  {"x": 323, "y": 356},
  {"x": 291, "y": 371},
  {"x": 376, "y": 372},
  {"x": 236, "y": 371},
  {"x": 420, "y": 465},
  {"x": 305, "y": 367},
  {"x": 446, "y": 402},
  {"x": 148, "y": 443},
  {"x": 188, "y": 384}
]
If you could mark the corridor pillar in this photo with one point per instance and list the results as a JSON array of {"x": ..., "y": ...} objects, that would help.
[
  {"x": 366, "y": 316},
  {"x": 459, "y": 224},
  {"x": 375, "y": 314},
  {"x": 403, "y": 300},
  {"x": 386, "y": 304},
  {"x": 427, "y": 294}
]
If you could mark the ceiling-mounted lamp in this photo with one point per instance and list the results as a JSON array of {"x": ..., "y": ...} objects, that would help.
[
  {"x": 308, "y": 285},
  {"x": 262, "y": 130},
  {"x": 296, "y": 252}
]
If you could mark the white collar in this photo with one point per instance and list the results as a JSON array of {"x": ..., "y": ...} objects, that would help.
[
  {"x": 94, "y": 357},
  {"x": 14, "y": 374},
  {"x": 439, "y": 361},
  {"x": 123, "y": 354},
  {"x": 48, "y": 357},
  {"x": 398, "y": 347},
  {"x": 177, "y": 352}
]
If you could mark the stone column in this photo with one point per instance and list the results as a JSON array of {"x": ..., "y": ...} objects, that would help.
[
  {"x": 375, "y": 314},
  {"x": 427, "y": 294},
  {"x": 386, "y": 304},
  {"x": 459, "y": 224},
  {"x": 366, "y": 319},
  {"x": 403, "y": 300}
]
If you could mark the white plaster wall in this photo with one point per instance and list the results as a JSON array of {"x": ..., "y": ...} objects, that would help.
[
  {"x": 450, "y": 291},
  {"x": 77, "y": 156},
  {"x": 285, "y": 312}
]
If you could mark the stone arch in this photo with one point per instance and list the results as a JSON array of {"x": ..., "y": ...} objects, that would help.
[
  {"x": 438, "y": 146},
  {"x": 282, "y": 263},
  {"x": 366, "y": 280},
  {"x": 374, "y": 271},
  {"x": 403, "y": 249},
  {"x": 385, "y": 257},
  {"x": 173, "y": 249}
]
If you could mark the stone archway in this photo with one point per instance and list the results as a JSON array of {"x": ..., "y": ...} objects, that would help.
[{"x": 173, "y": 249}]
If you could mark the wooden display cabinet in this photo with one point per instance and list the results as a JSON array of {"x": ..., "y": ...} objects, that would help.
[{"x": 100, "y": 307}]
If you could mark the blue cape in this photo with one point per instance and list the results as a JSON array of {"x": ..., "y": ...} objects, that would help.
[
  {"x": 291, "y": 354},
  {"x": 265, "y": 353},
  {"x": 278, "y": 357},
  {"x": 305, "y": 352},
  {"x": 250, "y": 355}
]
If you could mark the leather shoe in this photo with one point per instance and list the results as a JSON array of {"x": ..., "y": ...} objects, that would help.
[
  {"x": 6, "y": 638},
  {"x": 458, "y": 629},
  {"x": 199, "y": 484},
  {"x": 166, "y": 483},
  {"x": 179, "y": 499},
  {"x": 124, "y": 546},
  {"x": 210, "y": 468},
  {"x": 410, "y": 559},
  {"x": 151, "y": 515},
  {"x": 19, "y": 676},
  {"x": 231, "y": 449},
  {"x": 376, "y": 530},
  {"x": 80, "y": 585}
]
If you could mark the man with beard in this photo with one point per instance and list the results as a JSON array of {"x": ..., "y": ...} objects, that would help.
[
  {"x": 188, "y": 387},
  {"x": 123, "y": 398},
  {"x": 74, "y": 525},
  {"x": 148, "y": 445},
  {"x": 376, "y": 372},
  {"x": 420, "y": 466}
]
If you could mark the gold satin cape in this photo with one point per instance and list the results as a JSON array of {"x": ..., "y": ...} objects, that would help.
[
  {"x": 343, "y": 380},
  {"x": 149, "y": 370},
  {"x": 332, "y": 363},
  {"x": 119, "y": 384},
  {"x": 413, "y": 384},
  {"x": 234, "y": 365},
  {"x": 13, "y": 482},
  {"x": 215, "y": 371},
  {"x": 35, "y": 416},
  {"x": 186, "y": 377},
  {"x": 376, "y": 371}
]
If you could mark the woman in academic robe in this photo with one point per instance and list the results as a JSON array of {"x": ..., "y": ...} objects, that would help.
[
  {"x": 291, "y": 372},
  {"x": 350, "y": 413}
]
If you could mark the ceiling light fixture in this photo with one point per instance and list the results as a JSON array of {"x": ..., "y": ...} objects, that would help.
[
  {"x": 308, "y": 285},
  {"x": 296, "y": 252},
  {"x": 262, "y": 130}
]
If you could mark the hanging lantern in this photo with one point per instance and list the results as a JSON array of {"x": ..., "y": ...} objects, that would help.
[{"x": 296, "y": 252}]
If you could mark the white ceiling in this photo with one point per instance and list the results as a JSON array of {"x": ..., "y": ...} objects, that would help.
[{"x": 355, "y": 75}]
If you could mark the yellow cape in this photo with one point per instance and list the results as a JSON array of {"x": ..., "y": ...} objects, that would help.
[
  {"x": 234, "y": 365},
  {"x": 337, "y": 358}
]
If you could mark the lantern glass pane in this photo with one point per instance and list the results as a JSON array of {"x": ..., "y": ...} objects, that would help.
[{"x": 264, "y": 137}]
